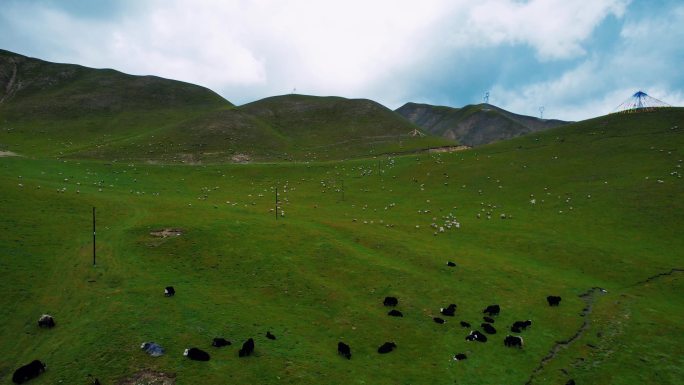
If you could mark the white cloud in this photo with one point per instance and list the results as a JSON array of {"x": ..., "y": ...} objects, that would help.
[
  {"x": 328, "y": 47},
  {"x": 648, "y": 57},
  {"x": 556, "y": 29}
]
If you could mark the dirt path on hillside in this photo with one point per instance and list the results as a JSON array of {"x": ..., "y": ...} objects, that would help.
[
  {"x": 653, "y": 277},
  {"x": 589, "y": 298}
]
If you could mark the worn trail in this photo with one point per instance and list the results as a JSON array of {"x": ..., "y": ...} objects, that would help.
[{"x": 588, "y": 297}]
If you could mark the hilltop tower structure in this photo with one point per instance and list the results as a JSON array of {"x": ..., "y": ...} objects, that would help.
[
  {"x": 415, "y": 133},
  {"x": 640, "y": 102}
]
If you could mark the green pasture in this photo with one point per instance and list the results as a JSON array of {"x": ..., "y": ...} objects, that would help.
[{"x": 607, "y": 212}]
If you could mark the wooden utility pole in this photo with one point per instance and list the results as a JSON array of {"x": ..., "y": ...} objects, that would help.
[{"x": 94, "y": 260}]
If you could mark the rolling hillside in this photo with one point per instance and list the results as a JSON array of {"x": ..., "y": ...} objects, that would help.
[
  {"x": 67, "y": 110},
  {"x": 474, "y": 125},
  {"x": 591, "y": 213}
]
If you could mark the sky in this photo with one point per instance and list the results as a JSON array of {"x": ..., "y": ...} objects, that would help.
[{"x": 576, "y": 58}]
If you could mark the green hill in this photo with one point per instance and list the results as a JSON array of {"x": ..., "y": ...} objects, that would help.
[
  {"x": 58, "y": 109},
  {"x": 595, "y": 204},
  {"x": 66, "y": 110},
  {"x": 474, "y": 125}
]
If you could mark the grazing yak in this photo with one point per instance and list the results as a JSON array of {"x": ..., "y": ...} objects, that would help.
[
  {"x": 220, "y": 342},
  {"x": 152, "y": 348},
  {"x": 553, "y": 300},
  {"x": 247, "y": 348},
  {"x": 518, "y": 325},
  {"x": 395, "y": 313},
  {"x": 387, "y": 347},
  {"x": 438, "y": 320},
  {"x": 448, "y": 311},
  {"x": 451, "y": 264},
  {"x": 465, "y": 324},
  {"x": 570, "y": 382},
  {"x": 488, "y": 319},
  {"x": 390, "y": 301},
  {"x": 488, "y": 328},
  {"x": 492, "y": 310},
  {"x": 46, "y": 321},
  {"x": 196, "y": 354},
  {"x": 28, "y": 371},
  {"x": 460, "y": 357},
  {"x": 475, "y": 335},
  {"x": 344, "y": 350},
  {"x": 169, "y": 291},
  {"x": 512, "y": 341},
  {"x": 270, "y": 336}
]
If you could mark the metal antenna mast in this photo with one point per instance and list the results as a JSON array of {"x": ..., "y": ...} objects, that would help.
[{"x": 541, "y": 112}]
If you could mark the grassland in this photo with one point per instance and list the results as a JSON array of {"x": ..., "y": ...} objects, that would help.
[{"x": 607, "y": 213}]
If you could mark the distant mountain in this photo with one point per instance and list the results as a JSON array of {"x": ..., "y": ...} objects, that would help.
[
  {"x": 49, "y": 109},
  {"x": 473, "y": 125}
]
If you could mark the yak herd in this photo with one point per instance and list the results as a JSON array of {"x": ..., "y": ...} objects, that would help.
[
  {"x": 474, "y": 335},
  {"x": 36, "y": 367}
]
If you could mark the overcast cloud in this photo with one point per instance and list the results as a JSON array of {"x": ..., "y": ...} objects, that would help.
[{"x": 577, "y": 58}]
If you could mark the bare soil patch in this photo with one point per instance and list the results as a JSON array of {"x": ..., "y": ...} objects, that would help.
[
  {"x": 449, "y": 149},
  {"x": 7, "y": 153},
  {"x": 168, "y": 232},
  {"x": 240, "y": 158},
  {"x": 150, "y": 377}
]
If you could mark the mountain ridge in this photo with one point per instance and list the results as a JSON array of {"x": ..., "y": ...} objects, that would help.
[
  {"x": 66, "y": 110},
  {"x": 474, "y": 125}
]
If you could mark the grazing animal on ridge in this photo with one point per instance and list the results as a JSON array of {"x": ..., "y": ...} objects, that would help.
[
  {"x": 387, "y": 347},
  {"x": 492, "y": 310},
  {"x": 475, "y": 335},
  {"x": 152, "y": 348},
  {"x": 395, "y": 313},
  {"x": 344, "y": 350},
  {"x": 518, "y": 325},
  {"x": 451, "y": 264},
  {"x": 488, "y": 328},
  {"x": 448, "y": 311},
  {"x": 460, "y": 357},
  {"x": 28, "y": 371},
  {"x": 390, "y": 301},
  {"x": 46, "y": 321},
  {"x": 220, "y": 342},
  {"x": 196, "y": 354},
  {"x": 247, "y": 348},
  {"x": 553, "y": 300},
  {"x": 512, "y": 341},
  {"x": 465, "y": 324},
  {"x": 438, "y": 320},
  {"x": 169, "y": 291}
]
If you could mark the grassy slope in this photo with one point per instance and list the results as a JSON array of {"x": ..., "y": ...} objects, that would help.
[
  {"x": 60, "y": 109},
  {"x": 71, "y": 111},
  {"x": 316, "y": 276}
]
